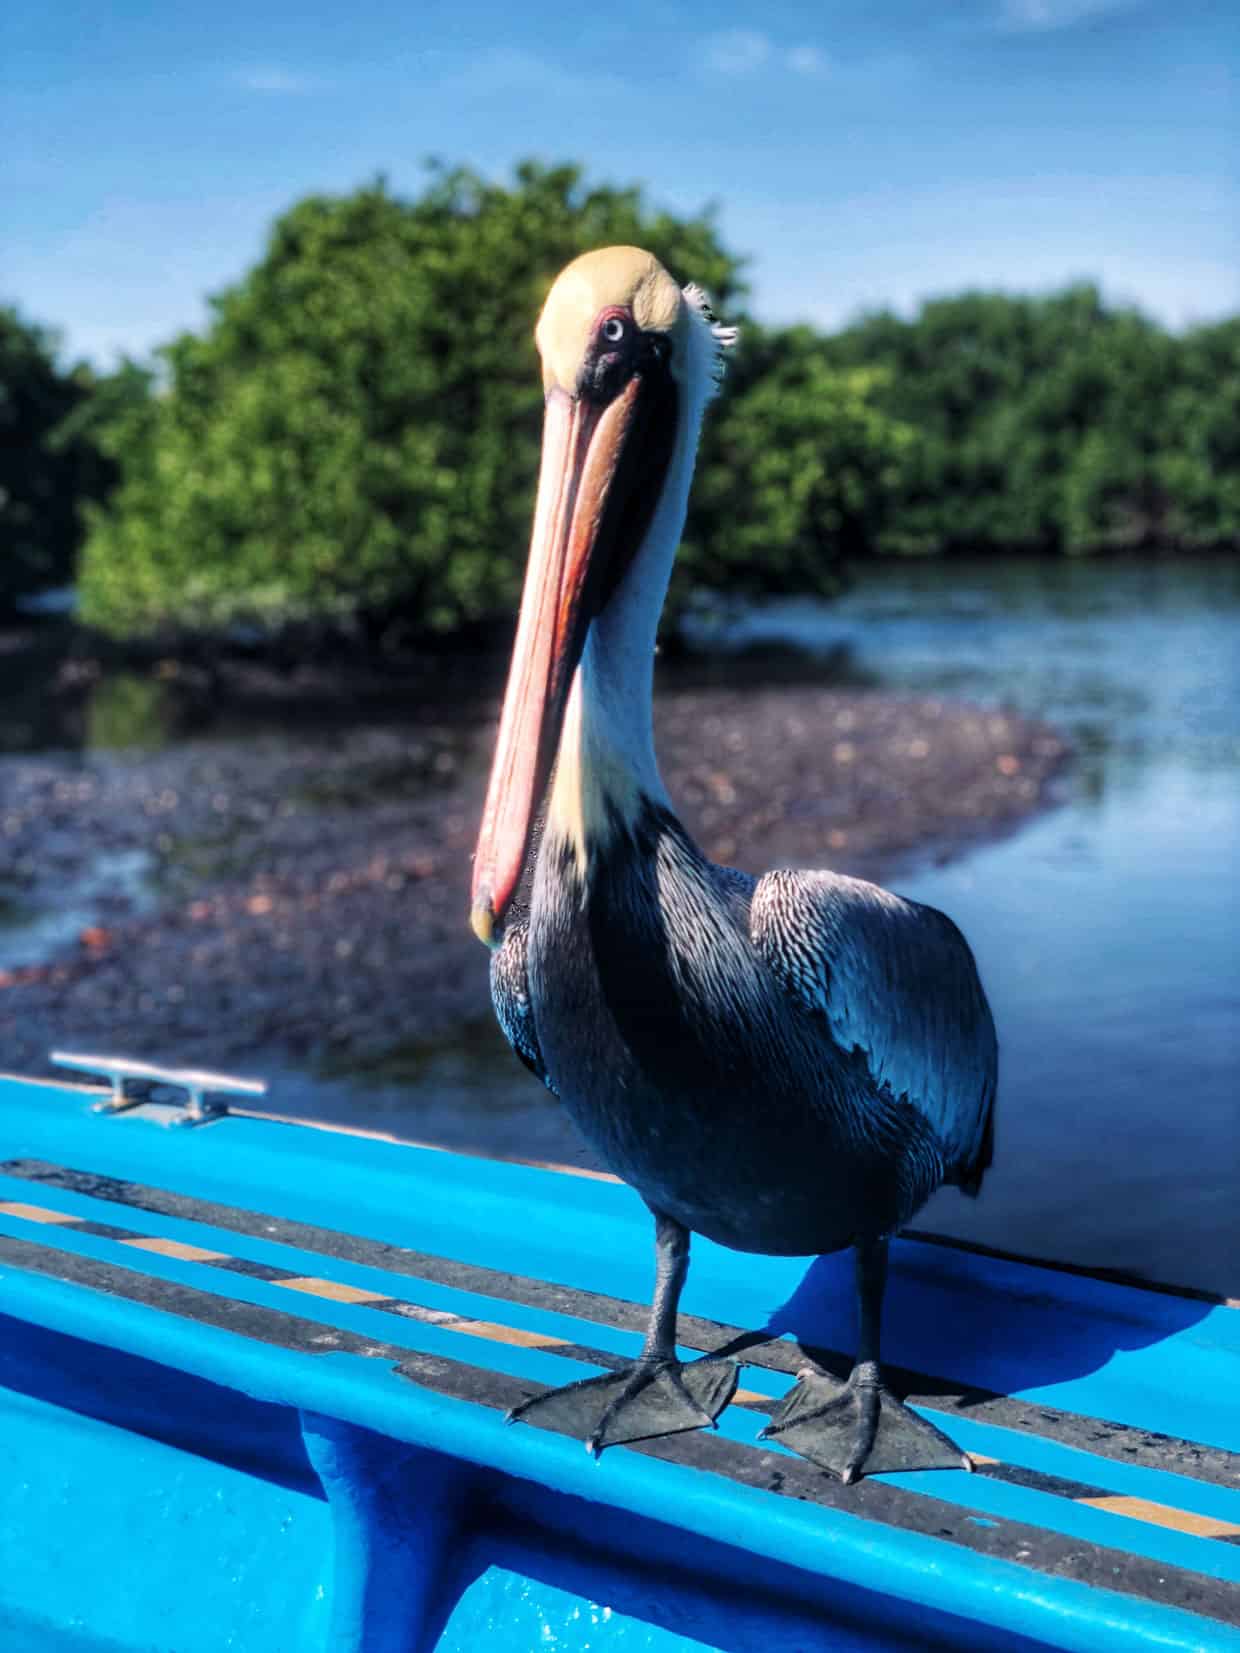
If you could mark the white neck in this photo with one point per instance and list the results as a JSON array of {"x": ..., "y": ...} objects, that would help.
[{"x": 606, "y": 759}]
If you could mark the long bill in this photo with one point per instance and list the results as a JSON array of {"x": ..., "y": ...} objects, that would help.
[{"x": 583, "y": 444}]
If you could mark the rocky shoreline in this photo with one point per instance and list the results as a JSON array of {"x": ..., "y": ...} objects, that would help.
[{"x": 301, "y": 898}]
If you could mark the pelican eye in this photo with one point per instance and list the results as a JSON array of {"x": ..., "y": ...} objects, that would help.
[{"x": 612, "y": 358}]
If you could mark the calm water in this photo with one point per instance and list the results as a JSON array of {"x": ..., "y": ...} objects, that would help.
[{"x": 1106, "y": 929}]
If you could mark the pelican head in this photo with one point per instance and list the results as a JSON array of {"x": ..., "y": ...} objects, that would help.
[{"x": 629, "y": 361}]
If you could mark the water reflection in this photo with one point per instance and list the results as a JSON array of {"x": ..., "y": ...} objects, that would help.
[
  {"x": 464, "y": 1090},
  {"x": 126, "y": 712},
  {"x": 63, "y": 690},
  {"x": 56, "y": 695}
]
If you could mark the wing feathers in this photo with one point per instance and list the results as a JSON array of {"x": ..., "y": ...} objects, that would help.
[{"x": 897, "y": 981}]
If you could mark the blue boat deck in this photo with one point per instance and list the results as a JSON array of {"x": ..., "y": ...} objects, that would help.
[{"x": 253, "y": 1381}]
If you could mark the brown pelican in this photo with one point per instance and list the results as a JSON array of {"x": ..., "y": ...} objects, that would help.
[{"x": 791, "y": 1064}]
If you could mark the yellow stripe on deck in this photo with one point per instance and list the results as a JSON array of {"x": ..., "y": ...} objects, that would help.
[
  {"x": 174, "y": 1248},
  {"x": 336, "y": 1290},
  {"x": 495, "y": 1333},
  {"x": 1164, "y": 1515},
  {"x": 36, "y": 1213},
  {"x": 1145, "y": 1509}
]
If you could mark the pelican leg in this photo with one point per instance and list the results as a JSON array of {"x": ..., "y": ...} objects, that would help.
[
  {"x": 859, "y": 1427},
  {"x": 656, "y": 1394}
]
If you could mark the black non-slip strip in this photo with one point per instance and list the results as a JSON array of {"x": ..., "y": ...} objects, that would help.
[
  {"x": 1029, "y": 1546},
  {"x": 101, "y": 1231},
  {"x": 1016, "y": 1474},
  {"x": 1121, "y": 1442}
]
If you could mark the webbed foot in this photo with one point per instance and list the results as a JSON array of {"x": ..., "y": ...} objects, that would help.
[
  {"x": 858, "y": 1428},
  {"x": 644, "y": 1398}
]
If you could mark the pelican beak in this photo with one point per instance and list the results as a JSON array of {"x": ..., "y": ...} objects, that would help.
[{"x": 584, "y": 443}]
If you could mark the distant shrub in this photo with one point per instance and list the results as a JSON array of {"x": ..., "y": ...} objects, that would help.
[
  {"x": 354, "y": 437},
  {"x": 356, "y": 434},
  {"x": 1054, "y": 424},
  {"x": 1199, "y": 463},
  {"x": 48, "y": 466},
  {"x": 798, "y": 466}
]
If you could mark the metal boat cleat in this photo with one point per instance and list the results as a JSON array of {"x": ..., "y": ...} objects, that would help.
[{"x": 199, "y": 1084}]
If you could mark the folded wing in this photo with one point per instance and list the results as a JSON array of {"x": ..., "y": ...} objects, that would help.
[{"x": 895, "y": 980}]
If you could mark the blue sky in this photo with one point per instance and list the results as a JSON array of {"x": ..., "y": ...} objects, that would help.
[{"x": 862, "y": 154}]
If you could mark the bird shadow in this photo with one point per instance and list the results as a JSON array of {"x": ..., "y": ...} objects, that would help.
[{"x": 974, "y": 1326}]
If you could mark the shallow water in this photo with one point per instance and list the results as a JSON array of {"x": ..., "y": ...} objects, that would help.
[
  {"x": 32, "y": 928},
  {"x": 1105, "y": 930}
]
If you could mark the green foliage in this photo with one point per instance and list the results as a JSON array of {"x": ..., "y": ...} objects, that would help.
[
  {"x": 796, "y": 468},
  {"x": 357, "y": 433},
  {"x": 47, "y": 466},
  {"x": 1200, "y": 466},
  {"x": 1053, "y": 424},
  {"x": 354, "y": 438}
]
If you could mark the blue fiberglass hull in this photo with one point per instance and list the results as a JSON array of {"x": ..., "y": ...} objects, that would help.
[{"x": 252, "y": 1387}]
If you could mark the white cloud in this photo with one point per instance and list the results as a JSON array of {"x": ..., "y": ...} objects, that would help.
[
  {"x": 276, "y": 82},
  {"x": 740, "y": 52},
  {"x": 1043, "y": 16},
  {"x": 737, "y": 52}
]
